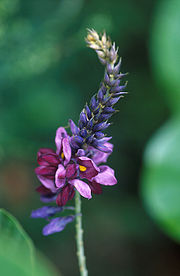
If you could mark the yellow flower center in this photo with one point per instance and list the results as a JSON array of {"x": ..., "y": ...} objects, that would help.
[
  {"x": 62, "y": 155},
  {"x": 82, "y": 168}
]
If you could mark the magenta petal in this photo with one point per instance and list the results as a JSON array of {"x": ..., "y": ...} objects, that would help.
[
  {"x": 67, "y": 193},
  {"x": 66, "y": 150},
  {"x": 48, "y": 183},
  {"x": 60, "y": 176},
  {"x": 48, "y": 171},
  {"x": 43, "y": 190},
  {"x": 82, "y": 187},
  {"x": 71, "y": 171},
  {"x": 48, "y": 159},
  {"x": 91, "y": 168},
  {"x": 99, "y": 156},
  {"x": 95, "y": 188},
  {"x": 106, "y": 176},
  {"x": 45, "y": 151},
  {"x": 60, "y": 134}
]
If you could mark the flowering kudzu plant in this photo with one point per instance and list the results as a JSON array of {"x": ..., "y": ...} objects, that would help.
[{"x": 74, "y": 168}]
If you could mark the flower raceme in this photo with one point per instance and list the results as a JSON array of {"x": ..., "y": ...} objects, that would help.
[
  {"x": 76, "y": 165},
  {"x": 61, "y": 172}
]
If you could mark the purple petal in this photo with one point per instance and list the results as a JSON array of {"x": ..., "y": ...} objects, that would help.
[
  {"x": 48, "y": 183},
  {"x": 91, "y": 168},
  {"x": 60, "y": 134},
  {"x": 82, "y": 187},
  {"x": 57, "y": 225},
  {"x": 66, "y": 150},
  {"x": 106, "y": 176},
  {"x": 46, "y": 211},
  {"x": 73, "y": 127},
  {"x": 99, "y": 156},
  {"x": 80, "y": 152},
  {"x": 60, "y": 176}
]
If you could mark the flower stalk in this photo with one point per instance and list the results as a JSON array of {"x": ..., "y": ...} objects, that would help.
[{"x": 79, "y": 237}]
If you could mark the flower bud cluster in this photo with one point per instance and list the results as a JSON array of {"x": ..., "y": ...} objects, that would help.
[
  {"x": 94, "y": 117},
  {"x": 106, "y": 51}
]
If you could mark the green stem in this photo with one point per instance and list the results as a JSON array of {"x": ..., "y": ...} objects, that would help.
[{"x": 79, "y": 237}]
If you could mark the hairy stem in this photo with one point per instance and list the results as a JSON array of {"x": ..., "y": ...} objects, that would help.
[{"x": 79, "y": 237}]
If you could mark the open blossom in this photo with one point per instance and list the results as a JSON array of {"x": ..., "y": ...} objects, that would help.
[{"x": 61, "y": 172}]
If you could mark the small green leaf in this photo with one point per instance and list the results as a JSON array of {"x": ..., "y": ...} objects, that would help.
[
  {"x": 17, "y": 253},
  {"x": 161, "y": 178}
]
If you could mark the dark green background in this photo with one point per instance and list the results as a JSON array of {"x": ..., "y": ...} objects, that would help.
[{"x": 46, "y": 75}]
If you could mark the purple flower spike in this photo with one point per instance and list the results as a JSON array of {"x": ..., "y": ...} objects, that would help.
[
  {"x": 57, "y": 225},
  {"x": 73, "y": 166},
  {"x": 46, "y": 211}
]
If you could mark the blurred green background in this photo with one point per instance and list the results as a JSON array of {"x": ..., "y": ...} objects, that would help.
[{"x": 46, "y": 76}]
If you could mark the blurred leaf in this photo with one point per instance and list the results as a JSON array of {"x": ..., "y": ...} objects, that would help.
[
  {"x": 161, "y": 178},
  {"x": 17, "y": 253},
  {"x": 165, "y": 49}
]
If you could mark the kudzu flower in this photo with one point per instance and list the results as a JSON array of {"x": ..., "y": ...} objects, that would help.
[
  {"x": 61, "y": 172},
  {"x": 75, "y": 165}
]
